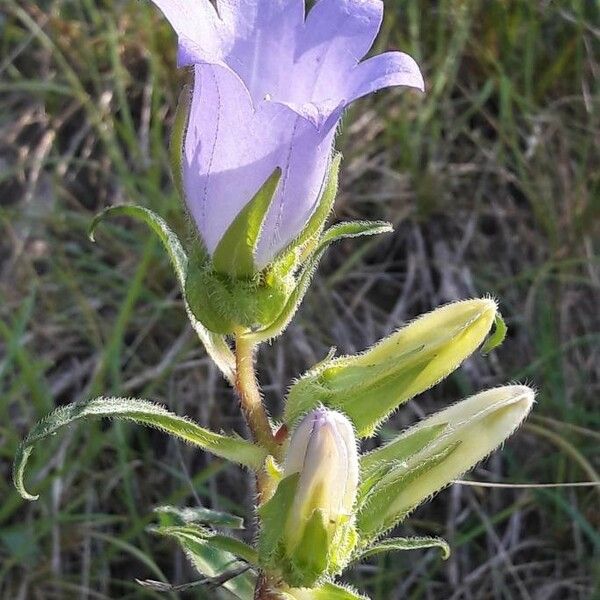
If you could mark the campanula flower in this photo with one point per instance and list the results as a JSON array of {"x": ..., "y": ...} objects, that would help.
[{"x": 270, "y": 86}]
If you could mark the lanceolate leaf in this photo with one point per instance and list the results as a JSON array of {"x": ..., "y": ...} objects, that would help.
[
  {"x": 369, "y": 386},
  {"x": 337, "y": 232},
  {"x": 184, "y": 516},
  {"x": 235, "y": 253},
  {"x": 215, "y": 345},
  {"x": 212, "y": 558},
  {"x": 140, "y": 411},
  {"x": 399, "y": 544},
  {"x": 223, "y": 542}
]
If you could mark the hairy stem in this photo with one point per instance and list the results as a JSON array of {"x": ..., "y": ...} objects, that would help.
[{"x": 250, "y": 398}]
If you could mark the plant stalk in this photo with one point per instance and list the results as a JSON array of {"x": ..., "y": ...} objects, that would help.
[{"x": 250, "y": 397}]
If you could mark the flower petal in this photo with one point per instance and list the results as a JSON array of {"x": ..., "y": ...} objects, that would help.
[
  {"x": 231, "y": 148},
  {"x": 384, "y": 70},
  {"x": 197, "y": 22},
  {"x": 264, "y": 35},
  {"x": 337, "y": 35}
]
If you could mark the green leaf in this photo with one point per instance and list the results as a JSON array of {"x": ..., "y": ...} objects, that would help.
[
  {"x": 327, "y": 591},
  {"x": 473, "y": 429},
  {"x": 215, "y": 345},
  {"x": 178, "y": 131},
  {"x": 223, "y": 542},
  {"x": 183, "y": 516},
  {"x": 413, "y": 543},
  {"x": 497, "y": 337},
  {"x": 212, "y": 557},
  {"x": 337, "y": 232},
  {"x": 369, "y": 386},
  {"x": 234, "y": 254},
  {"x": 352, "y": 229},
  {"x": 140, "y": 411}
]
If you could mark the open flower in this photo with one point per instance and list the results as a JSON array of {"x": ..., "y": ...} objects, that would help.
[{"x": 269, "y": 88}]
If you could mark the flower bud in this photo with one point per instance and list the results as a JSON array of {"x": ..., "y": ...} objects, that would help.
[
  {"x": 323, "y": 452},
  {"x": 308, "y": 526}
]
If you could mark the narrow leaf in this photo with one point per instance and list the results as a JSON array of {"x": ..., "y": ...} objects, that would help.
[
  {"x": 184, "y": 516},
  {"x": 223, "y": 542},
  {"x": 234, "y": 254},
  {"x": 414, "y": 543},
  {"x": 140, "y": 411},
  {"x": 215, "y": 345},
  {"x": 211, "y": 559}
]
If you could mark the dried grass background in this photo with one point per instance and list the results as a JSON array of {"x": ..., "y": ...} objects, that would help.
[{"x": 492, "y": 180}]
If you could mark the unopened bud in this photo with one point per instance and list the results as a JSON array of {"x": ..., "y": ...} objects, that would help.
[
  {"x": 323, "y": 451},
  {"x": 308, "y": 526}
]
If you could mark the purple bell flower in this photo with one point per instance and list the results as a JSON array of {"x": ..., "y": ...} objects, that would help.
[{"x": 269, "y": 88}]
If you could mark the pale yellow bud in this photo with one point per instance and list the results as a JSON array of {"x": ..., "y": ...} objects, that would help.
[{"x": 323, "y": 451}]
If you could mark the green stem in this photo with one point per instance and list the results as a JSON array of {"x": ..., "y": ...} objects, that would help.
[{"x": 250, "y": 397}]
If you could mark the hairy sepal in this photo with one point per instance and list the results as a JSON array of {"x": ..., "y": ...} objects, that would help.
[
  {"x": 303, "y": 278},
  {"x": 215, "y": 344},
  {"x": 326, "y": 591},
  {"x": 234, "y": 255}
]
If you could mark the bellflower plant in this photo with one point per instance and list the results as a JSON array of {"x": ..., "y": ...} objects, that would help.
[{"x": 253, "y": 160}]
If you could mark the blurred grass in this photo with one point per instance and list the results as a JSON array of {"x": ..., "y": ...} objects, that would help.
[{"x": 493, "y": 182}]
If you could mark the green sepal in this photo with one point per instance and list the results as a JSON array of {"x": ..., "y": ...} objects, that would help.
[
  {"x": 400, "y": 448},
  {"x": 273, "y": 515},
  {"x": 369, "y": 386},
  {"x": 212, "y": 556},
  {"x": 301, "y": 247},
  {"x": 178, "y": 131},
  {"x": 401, "y": 544},
  {"x": 374, "y": 516},
  {"x": 215, "y": 344},
  {"x": 295, "y": 297},
  {"x": 309, "y": 559},
  {"x": 225, "y": 305},
  {"x": 172, "y": 515},
  {"x": 326, "y": 591},
  {"x": 234, "y": 255},
  {"x": 140, "y": 411}
]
